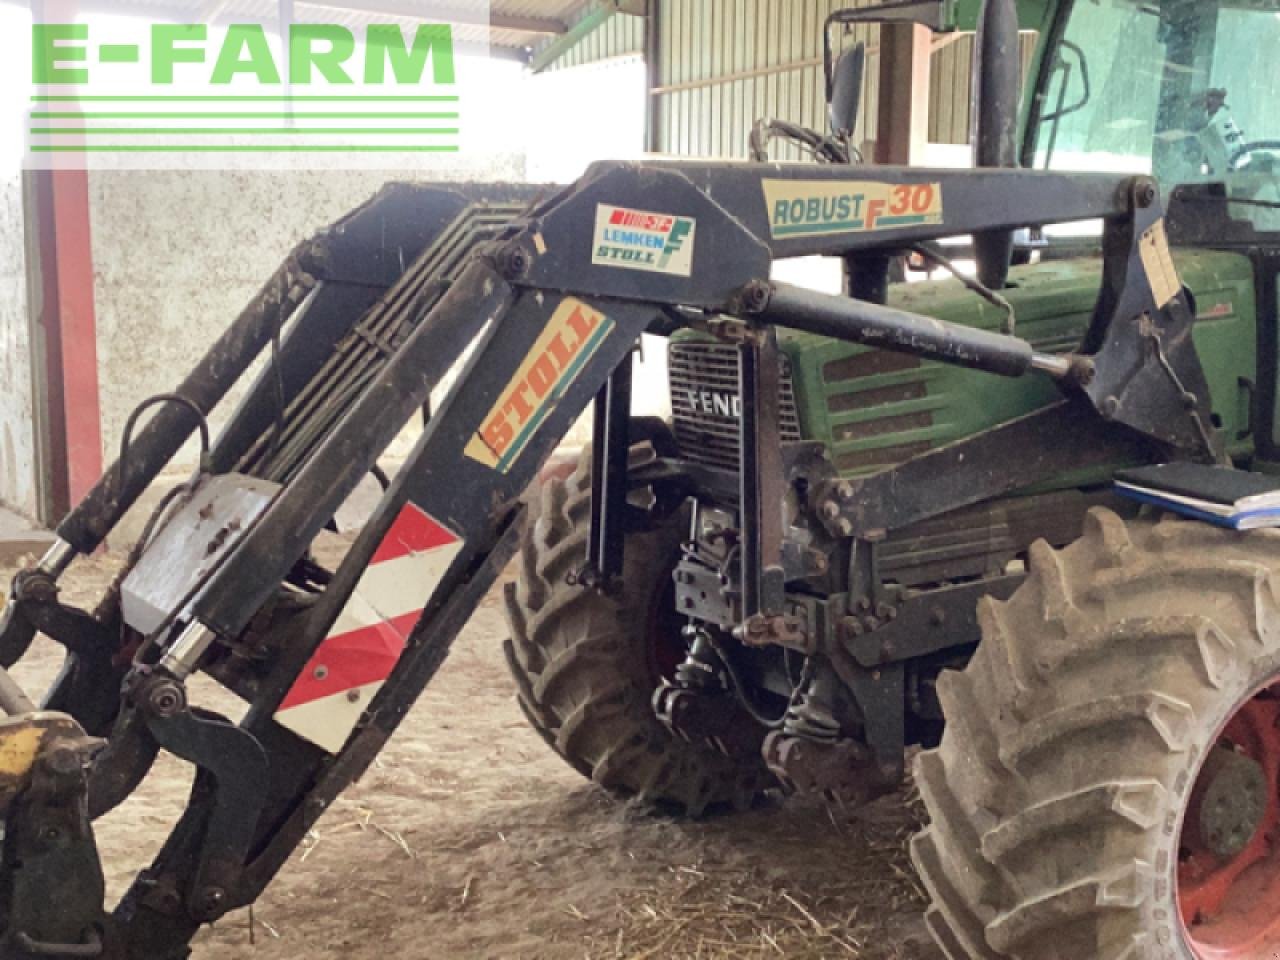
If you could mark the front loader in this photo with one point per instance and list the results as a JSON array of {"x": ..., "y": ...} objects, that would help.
[{"x": 761, "y": 593}]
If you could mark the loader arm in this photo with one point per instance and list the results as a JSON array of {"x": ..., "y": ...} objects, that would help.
[{"x": 546, "y": 311}]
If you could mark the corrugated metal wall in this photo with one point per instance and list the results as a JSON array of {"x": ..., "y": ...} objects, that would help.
[
  {"x": 619, "y": 36},
  {"x": 726, "y": 63}
]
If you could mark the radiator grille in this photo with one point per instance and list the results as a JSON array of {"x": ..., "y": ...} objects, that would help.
[{"x": 706, "y": 402}]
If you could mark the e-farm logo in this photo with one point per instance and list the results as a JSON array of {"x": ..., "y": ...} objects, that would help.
[{"x": 111, "y": 86}]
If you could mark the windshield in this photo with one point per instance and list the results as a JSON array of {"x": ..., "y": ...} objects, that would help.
[{"x": 1187, "y": 90}]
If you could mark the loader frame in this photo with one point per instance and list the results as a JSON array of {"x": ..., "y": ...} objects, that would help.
[{"x": 552, "y": 314}]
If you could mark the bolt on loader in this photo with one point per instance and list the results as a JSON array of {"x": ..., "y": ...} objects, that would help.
[{"x": 876, "y": 521}]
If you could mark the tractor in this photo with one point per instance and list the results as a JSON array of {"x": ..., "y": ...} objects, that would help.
[
  {"x": 880, "y": 529},
  {"x": 1069, "y": 667}
]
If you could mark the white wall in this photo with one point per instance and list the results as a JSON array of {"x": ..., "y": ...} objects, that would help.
[
  {"x": 177, "y": 256},
  {"x": 17, "y": 432}
]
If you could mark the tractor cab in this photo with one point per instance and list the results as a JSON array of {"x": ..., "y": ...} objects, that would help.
[{"x": 1178, "y": 89}]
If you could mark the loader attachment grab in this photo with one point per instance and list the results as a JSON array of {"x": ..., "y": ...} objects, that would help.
[{"x": 535, "y": 307}]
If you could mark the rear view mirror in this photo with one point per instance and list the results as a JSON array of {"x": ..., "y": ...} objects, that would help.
[
  {"x": 937, "y": 15},
  {"x": 846, "y": 91}
]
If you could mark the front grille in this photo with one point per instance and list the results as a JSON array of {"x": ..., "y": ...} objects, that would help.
[{"x": 706, "y": 402}]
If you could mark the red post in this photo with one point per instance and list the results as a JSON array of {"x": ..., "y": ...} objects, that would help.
[
  {"x": 67, "y": 320},
  {"x": 79, "y": 330},
  {"x": 903, "y": 134}
]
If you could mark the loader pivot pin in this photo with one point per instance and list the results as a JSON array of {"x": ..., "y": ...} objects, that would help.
[{"x": 1229, "y": 861}]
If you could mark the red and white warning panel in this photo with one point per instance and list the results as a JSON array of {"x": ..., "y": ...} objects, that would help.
[{"x": 370, "y": 634}]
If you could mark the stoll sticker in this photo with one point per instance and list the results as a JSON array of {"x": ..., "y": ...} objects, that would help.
[
  {"x": 639, "y": 240},
  {"x": 570, "y": 339},
  {"x": 813, "y": 208}
]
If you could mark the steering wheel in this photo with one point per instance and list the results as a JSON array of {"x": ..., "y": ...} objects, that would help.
[{"x": 1255, "y": 146}]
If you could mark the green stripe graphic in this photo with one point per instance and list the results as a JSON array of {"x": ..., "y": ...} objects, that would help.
[
  {"x": 847, "y": 226},
  {"x": 242, "y": 148},
  {"x": 68, "y": 115},
  {"x": 903, "y": 221},
  {"x": 393, "y": 116},
  {"x": 246, "y": 99},
  {"x": 257, "y": 131}
]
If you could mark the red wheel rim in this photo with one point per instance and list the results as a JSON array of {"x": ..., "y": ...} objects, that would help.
[{"x": 1228, "y": 881}]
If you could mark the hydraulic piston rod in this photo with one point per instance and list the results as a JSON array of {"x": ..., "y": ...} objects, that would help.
[{"x": 898, "y": 330}]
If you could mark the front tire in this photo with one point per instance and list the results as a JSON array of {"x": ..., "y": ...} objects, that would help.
[
  {"x": 1066, "y": 798},
  {"x": 586, "y": 665}
]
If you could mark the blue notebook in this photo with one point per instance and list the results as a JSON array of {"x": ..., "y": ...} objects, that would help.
[{"x": 1226, "y": 497}]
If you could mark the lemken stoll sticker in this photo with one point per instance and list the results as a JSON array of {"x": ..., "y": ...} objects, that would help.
[
  {"x": 639, "y": 240},
  {"x": 810, "y": 208}
]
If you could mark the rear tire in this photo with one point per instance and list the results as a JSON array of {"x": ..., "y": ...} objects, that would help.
[
  {"x": 586, "y": 666},
  {"x": 1076, "y": 734}
]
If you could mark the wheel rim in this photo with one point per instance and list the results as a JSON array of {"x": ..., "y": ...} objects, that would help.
[{"x": 1228, "y": 879}]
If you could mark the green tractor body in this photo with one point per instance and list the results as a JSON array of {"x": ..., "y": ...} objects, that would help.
[
  {"x": 872, "y": 410},
  {"x": 1097, "y": 693}
]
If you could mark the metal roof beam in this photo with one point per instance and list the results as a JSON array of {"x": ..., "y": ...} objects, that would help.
[
  {"x": 156, "y": 13},
  {"x": 541, "y": 25},
  {"x": 403, "y": 9},
  {"x": 595, "y": 16}
]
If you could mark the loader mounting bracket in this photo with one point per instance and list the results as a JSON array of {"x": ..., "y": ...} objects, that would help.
[{"x": 51, "y": 880}]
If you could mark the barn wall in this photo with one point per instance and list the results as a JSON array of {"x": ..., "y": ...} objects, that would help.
[
  {"x": 177, "y": 255},
  {"x": 723, "y": 65},
  {"x": 18, "y": 489},
  {"x": 17, "y": 431},
  {"x": 619, "y": 36},
  {"x": 713, "y": 85}
]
